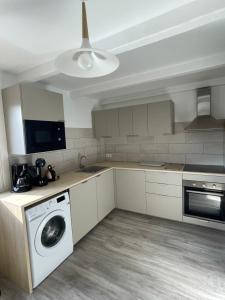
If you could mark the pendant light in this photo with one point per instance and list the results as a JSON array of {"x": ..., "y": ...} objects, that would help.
[{"x": 86, "y": 62}]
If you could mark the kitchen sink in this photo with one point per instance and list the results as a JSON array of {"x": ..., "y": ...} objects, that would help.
[{"x": 92, "y": 169}]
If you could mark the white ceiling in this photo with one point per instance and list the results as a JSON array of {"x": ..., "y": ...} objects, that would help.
[
  {"x": 203, "y": 41},
  {"x": 147, "y": 35}
]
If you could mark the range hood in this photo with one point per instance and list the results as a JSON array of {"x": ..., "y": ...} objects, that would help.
[{"x": 204, "y": 119}]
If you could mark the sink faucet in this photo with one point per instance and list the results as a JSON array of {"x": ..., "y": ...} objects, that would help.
[{"x": 83, "y": 161}]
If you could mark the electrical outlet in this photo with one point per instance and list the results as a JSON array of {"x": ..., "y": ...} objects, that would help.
[{"x": 108, "y": 155}]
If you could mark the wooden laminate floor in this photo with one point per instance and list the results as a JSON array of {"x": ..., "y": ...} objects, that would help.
[{"x": 131, "y": 256}]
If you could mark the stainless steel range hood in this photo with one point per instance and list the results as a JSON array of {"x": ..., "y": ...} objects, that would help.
[{"x": 204, "y": 119}]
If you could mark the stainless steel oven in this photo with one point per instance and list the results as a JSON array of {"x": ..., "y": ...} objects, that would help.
[{"x": 204, "y": 200}]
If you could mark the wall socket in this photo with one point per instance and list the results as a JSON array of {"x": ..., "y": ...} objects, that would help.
[{"x": 108, "y": 155}]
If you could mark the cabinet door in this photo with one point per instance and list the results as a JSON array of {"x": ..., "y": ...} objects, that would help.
[
  {"x": 84, "y": 208},
  {"x": 105, "y": 194},
  {"x": 106, "y": 123},
  {"x": 125, "y": 121},
  {"x": 140, "y": 120},
  {"x": 100, "y": 123},
  {"x": 130, "y": 190},
  {"x": 112, "y": 119},
  {"x": 39, "y": 104},
  {"x": 164, "y": 207},
  {"x": 160, "y": 118}
]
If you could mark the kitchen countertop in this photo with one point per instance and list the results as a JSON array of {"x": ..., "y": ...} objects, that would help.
[{"x": 72, "y": 178}]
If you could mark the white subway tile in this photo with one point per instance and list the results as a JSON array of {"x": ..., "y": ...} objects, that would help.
[
  {"x": 154, "y": 148},
  {"x": 214, "y": 148},
  {"x": 204, "y": 159},
  {"x": 131, "y": 148},
  {"x": 171, "y": 138},
  {"x": 203, "y": 136},
  {"x": 185, "y": 148}
]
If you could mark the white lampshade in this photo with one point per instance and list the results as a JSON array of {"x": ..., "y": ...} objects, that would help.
[{"x": 86, "y": 62}]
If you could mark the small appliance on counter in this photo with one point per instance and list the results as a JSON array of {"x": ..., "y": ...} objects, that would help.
[
  {"x": 21, "y": 179},
  {"x": 51, "y": 174},
  {"x": 36, "y": 173}
]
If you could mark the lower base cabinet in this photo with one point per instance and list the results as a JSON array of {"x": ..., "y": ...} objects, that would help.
[
  {"x": 130, "y": 190},
  {"x": 105, "y": 194},
  {"x": 90, "y": 202},
  {"x": 84, "y": 208},
  {"x": 164, "y": 206}
]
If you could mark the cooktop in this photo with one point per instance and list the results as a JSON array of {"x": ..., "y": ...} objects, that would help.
[{"x": 204, "y": 168}]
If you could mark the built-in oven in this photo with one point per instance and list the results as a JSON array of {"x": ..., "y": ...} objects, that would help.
[
  {"x": 204, "y": 200},
  {"x": 44, "y": 136}
]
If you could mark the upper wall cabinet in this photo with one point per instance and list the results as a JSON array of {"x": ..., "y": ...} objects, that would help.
[
  {"x": 133, "y": 120},
  {"x": 143, "y": 120},
  {"x": 126, "y": 121},
  {"x": 28, "y": 102},
  {"x": 41, "y": 105},
  {"x": 160, "y": 118},
  {"x": 140, "y": 120},
  {"x": 106, "y": 123}
]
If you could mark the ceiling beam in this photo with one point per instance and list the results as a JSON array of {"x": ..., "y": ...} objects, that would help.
[{"x": 171, "y": 71}]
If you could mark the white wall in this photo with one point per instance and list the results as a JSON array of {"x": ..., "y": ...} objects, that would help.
[{"x": 78, "y": 111}]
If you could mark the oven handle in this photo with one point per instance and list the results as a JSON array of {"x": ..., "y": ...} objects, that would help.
[{"x": 205, "y": 193}]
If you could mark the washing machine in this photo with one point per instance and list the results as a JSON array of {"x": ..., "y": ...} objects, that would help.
[{"x": 49, "y": 235}]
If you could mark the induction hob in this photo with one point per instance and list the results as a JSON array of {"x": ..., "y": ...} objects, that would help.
[{"x": 204, "y": 169}]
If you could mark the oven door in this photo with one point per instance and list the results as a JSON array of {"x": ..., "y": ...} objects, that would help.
[
  {"x": 205, "y": 204},
  {"x": 44, "y": 136}
]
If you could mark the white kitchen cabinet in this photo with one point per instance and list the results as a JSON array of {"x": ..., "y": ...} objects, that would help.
[
  {"x": 164, "y": 207},
  {"x": 99, "y": 123},
  {"x": 125, "y": 121},
  {"x": 140, "y": 120},
  {"x": 106, "y": 123},
  {"x": 28, "y": 102},
  {"x": 39, "y": 104},
  {"x": 84, "y": 208},
  {"x": 105, "y": 193},
  {"x": 130, "y": 190},
  {"x": 164, "y": 189},
  {"x": 160, "y": 118},
  {"x": 164, "y": 177},
  {"x": 133, "y": 120}
]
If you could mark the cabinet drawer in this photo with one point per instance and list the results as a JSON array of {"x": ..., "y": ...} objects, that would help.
[
  {"x": 164, "y": 177},
  {"x": 163, "y": 189},
  {"x": 164, "y": 207}
]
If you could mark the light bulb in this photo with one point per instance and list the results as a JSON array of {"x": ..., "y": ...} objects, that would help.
[{"x": 85, "y": 61}]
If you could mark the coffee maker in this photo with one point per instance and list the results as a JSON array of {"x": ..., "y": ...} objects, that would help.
[
  {"x": 21, "y": 179},
  {"x": 38, "y": 179}
]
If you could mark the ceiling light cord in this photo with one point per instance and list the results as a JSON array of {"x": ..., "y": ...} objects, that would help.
[{"x": 85, "y": 33}]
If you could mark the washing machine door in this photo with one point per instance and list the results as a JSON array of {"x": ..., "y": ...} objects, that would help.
[{"x": 50, "y": 233}]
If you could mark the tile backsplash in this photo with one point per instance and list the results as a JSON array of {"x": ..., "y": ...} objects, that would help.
[
  {"x": 79, "y": 141},
  {"x": 182, "y": 147},
  {"x": 203, "y": 147}
]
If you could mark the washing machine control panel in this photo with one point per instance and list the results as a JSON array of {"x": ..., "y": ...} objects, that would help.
[{"x": 43, "y": 208}]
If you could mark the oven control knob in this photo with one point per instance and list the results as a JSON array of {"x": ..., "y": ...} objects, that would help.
[
  {"x": 194, "y": 184},
  {"x": 204, "y": 185},
  {"x": 214, "y": 186}
]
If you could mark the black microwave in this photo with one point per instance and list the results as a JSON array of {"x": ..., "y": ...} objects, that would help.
[{"x": 42, "y": 136}]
